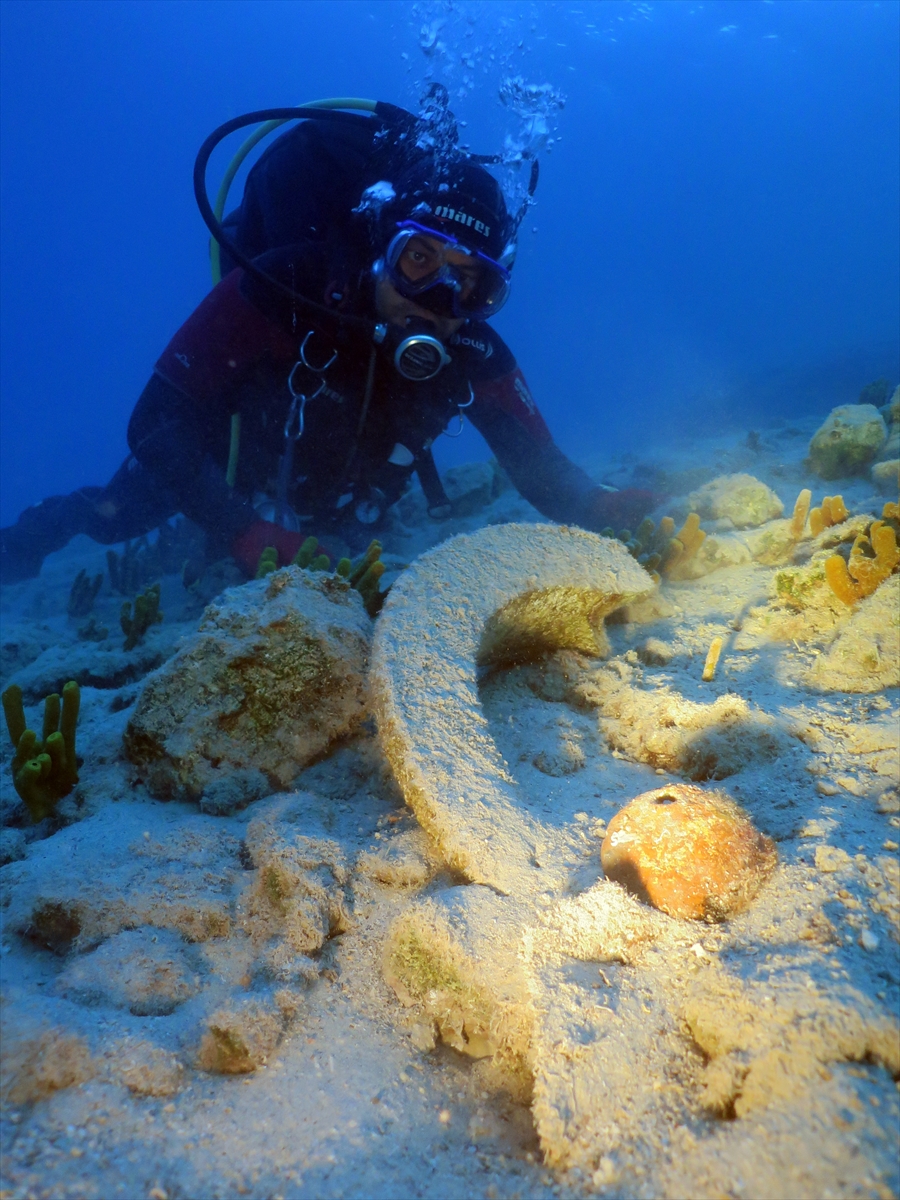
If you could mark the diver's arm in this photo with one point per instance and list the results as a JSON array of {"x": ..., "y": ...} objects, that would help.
[
  {"x": 506, "y": 416},
  {"x": 166, "y": 438},
  {"x": 179, "y": 430}
]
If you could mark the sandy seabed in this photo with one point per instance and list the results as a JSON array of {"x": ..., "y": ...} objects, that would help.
[{"x": 750, "y": 1058}]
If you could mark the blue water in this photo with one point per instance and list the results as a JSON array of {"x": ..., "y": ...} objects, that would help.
[{"x": 715, "y": 236}]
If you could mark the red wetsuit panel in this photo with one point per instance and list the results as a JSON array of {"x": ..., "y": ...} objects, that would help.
[
  {"x": 511, "y": 394},
  {"x": 222, "y": 339}
]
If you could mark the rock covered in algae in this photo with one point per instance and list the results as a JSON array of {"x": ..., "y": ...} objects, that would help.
[
  {"x": 865, "y": 655},
  {"x": 296, "y": 901},
  {"x": 239, "y": 1037},
  {"x": 848, "y": 441},
  {"x": 890, "y": 451},
  {"x": 886, "y": 476},
  {"x": 144, "y": 970},
  {"x": 274, "y": 674},
  {"x": 688, "y": 852},
  {"x": 503, "y": 595},
  {"x": 743, "y": 499}
]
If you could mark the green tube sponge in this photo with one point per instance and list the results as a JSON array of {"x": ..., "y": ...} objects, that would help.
[
  {"x": 83, "y": 594},
  {"x": 372, "y": 555},
  {"x": 44, "y": 771},
  {"x": 306, "y": 553},
  {"x": 146, "y": 613},
  {"x": 268, "y": 562}
]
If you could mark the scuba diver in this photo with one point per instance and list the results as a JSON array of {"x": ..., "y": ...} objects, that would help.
[{"x": 347, "y": 331}]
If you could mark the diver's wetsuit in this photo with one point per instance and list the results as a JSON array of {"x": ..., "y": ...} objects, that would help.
[
  {"x": 237, "y": 353},
  {"x": 348, "y": 467}
]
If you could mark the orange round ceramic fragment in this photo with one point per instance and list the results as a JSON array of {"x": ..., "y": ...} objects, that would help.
[{"x": 688, "y": 852}]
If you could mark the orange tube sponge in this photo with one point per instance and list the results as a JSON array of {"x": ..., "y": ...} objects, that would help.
[
  {"x": 860, "y": 577},
  {"x": 839, "y": 580},
  {"x": 685, "y": 544},
  {"x": 834, "y": 510},
  {"x": 712, "y": 659},
  {"x": 801, "y": 508}
]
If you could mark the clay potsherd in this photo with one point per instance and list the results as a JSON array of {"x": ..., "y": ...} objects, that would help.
[{"x": 688, "y": 852}]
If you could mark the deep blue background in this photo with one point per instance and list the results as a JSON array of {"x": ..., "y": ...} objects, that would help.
[{"x": 717, "y": 229}]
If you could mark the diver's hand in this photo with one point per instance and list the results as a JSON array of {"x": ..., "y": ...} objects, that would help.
[
  {"x": 618, "y": 510},
  {"x": 249, "y": 545}
]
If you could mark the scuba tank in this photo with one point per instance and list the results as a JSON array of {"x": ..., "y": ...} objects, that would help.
[{"x": 417, "y": 353}]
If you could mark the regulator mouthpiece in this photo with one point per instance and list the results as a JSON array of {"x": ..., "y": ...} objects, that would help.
[{"x": 419, "y": 356}]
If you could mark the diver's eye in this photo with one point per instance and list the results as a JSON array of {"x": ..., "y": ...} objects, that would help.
[{"x": 420, "y": 259}]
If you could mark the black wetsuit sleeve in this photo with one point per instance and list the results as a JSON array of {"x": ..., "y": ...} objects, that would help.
[
  {"x": 169, "y": 437},
  {"x": 506, "y": 416},
  {"x": 539, "y": 471}
]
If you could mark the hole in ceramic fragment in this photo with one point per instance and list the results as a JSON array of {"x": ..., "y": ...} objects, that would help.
[{"x": 690, "y": 853}]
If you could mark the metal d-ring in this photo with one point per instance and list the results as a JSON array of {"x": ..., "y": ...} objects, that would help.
[
  {"x": 298, "y": 406},
  {"x": 308, "y": 365},
  {"x": 459, "y": 408}
]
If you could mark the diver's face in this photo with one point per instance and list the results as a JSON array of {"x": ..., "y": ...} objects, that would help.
[{"x": 421, "y": 257}]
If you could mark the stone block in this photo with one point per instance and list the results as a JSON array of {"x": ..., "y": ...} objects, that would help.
[
  {"x": 850, "y": 439},
  {"x": 274, "y": 674}
]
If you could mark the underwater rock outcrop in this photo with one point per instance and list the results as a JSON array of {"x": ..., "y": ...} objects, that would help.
[
  {"x": 144, "y": 971},
  {"x": 99, "y": 877},
  {"x": 865, "y": 654},
  {"x": 296, "y": 901},
  {"x": 669, "y": 732},
  {"x": 848, "y": 442},
  {"x": 275, "y": 673},
  {"x": 742, "y": 499},
  {"x": 890, "y": 451}
]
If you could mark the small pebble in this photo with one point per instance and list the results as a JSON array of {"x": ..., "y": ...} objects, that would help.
[{"x": 868, "y": 940}]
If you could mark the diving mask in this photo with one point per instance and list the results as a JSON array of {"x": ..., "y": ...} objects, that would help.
[{"x": 444, "y": 275}]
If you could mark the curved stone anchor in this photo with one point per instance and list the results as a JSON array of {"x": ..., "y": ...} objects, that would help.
[
  {"x": 499, "y": 596},
  {"x": 581, "y": 1000}
]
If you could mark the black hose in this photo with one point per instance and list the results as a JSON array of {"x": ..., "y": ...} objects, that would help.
[{"x": 212, "y": 223}]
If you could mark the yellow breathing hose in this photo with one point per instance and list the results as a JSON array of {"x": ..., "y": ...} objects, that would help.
[{"x": 215, "y": 257}]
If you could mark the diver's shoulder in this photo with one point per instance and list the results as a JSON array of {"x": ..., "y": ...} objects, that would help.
[{"x": 483, "y": 351}]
